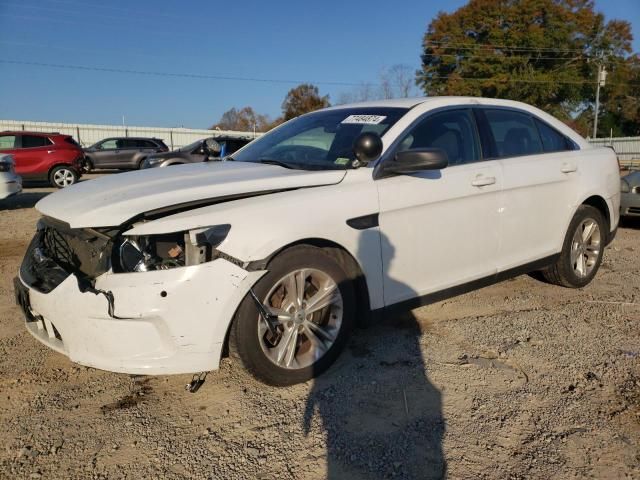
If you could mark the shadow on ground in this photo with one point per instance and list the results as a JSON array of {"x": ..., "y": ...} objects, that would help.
[
  {"x": 380, "y": 413},
  {"x": 630, "y": 222},
  {"x": 22, "y": 200}
]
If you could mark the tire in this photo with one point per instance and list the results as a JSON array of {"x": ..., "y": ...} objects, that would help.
[
  {"x": 62, "y": 176},
  {"x": 87, "y": 165},
  {"x": 141, "y": 162},
  {"x": 580, "y": 259},
  {"x": 259, "y": 351}
]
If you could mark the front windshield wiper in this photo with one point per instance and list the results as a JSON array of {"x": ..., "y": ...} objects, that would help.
[{"x": 271, "y": 161}]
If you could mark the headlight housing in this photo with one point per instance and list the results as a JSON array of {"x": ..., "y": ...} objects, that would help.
[
  {"x": 170, "y": 250},
  {"x": 151, "y": 162},
  {"x": 624, "y": 186}
]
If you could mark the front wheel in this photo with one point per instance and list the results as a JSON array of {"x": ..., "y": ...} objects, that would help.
[
  {"x": 312, "y": 301},
  {"x": 582, "y": 250},
  {"x": 62, "y": 176}
]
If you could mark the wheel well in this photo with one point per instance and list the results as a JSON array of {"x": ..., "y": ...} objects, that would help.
[
  {"x": 600, "y": 203},
  {"x": 342, "y": 256},
  {"x": 68, "y": 165}
]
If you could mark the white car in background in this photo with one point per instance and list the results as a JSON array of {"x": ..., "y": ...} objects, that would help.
[
  {"x": 333, "y": 217},
  {"x": 10, "y": 182}
]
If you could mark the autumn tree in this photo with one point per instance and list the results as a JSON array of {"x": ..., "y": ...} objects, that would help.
[
  {"x": 243, "y": 120},
  {"x": 543, "y": 52},
  {"x": 303, "y": 99}
]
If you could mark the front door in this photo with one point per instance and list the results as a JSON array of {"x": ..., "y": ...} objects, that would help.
[
  {"x": 440, "y": 228},
  {"x": 105, "y": 153}
]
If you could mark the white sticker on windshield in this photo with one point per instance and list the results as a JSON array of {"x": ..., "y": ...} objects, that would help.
[{"x": 364, "y": 119}]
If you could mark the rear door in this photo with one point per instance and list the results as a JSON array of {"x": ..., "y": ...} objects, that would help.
[
  {"x": 125, "y": 153},
  {"x": 540, "y": 171}
]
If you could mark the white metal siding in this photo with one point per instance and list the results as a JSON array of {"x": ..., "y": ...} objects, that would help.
[
  {"x": 87, "y": 134},
  {"x": 627, "y": 148}
]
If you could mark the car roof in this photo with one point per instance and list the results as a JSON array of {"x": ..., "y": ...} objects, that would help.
[
  {"x": 450, "y": 100},
  {"x": 132, "y": 138},
  {"x": 26, "y": 132}
]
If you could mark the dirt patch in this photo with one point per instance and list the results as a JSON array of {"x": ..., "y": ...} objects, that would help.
[{"x": 518, "y": 380}]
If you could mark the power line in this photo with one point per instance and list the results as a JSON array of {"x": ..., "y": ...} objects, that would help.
[
  {"x": 501, "y": 56},
  {"x": 282, "y": 81},
  {"x": 472, "y": 45},
  {"x": 127, "y": 14},
  {"x": 174, "y": 74}
]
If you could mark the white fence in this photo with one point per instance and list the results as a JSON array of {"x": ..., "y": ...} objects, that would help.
[
  {"x": 627, "y": 149},
  {"x": 87, "y": 134}
]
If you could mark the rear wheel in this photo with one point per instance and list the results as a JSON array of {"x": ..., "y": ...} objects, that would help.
[
  {"x": 582, "y": 250},
  {"x": 62, "y": 176},
  {"x": 314, "y": 301}
]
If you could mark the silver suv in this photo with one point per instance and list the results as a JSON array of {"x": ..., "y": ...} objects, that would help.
[{"x": 122, "y": 153}]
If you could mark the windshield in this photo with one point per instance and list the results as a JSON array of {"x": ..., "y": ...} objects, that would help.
[
  {"x": 191, "y": 146},
  {"x": 321, "y": 140}
]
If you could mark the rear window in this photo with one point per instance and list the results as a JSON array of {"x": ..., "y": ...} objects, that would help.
[
  {"x": 71, "y": 141},
  {"x": 34, "y": 141},
  {"x": 513, "y": 132},
  {"x": 552, "y": 140}
]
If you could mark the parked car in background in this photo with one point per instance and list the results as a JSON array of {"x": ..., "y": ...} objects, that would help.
[
  {"x": 122, "y": 153},
  {"x": 10, "y": 181},
  {"x": 340, "y": 214},
  {"x": 212, "y": 148},
  {"x": 630, "y": 198},
  {"x": 38, "y": 156}
]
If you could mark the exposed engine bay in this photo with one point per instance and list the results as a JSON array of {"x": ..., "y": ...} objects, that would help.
[{"x": 57, "y": 251}]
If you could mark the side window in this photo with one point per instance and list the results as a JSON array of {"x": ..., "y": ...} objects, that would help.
[
  {"x": 552, "y": 140},
  {"x": 513, "y": 132},
  {"x": 33, "y": 141},
  {"x": 110, "y": 144},
  {"x": 146, "y": 144},
  {"x": 452, "y": 131},
  {"x": 7, "y": 142}
]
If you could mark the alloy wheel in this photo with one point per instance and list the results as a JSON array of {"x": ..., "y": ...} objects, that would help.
[
  {"x": 309, "y": 309},
  {"x": 64, "y": 177},
  {"x": 585, "y": 247}
]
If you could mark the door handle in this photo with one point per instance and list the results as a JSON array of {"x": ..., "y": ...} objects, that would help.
[
  {"x": 481, "y": 181},
  {"x": 568, "y": 168}
]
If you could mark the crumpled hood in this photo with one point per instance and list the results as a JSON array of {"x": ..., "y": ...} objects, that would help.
[{"x": 113, "y": 199}]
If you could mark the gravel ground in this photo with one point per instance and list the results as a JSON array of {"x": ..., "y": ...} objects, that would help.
[{"x": 518, "y": 380}]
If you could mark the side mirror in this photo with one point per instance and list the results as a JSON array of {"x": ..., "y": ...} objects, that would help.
[
  {"x": 367, "y": 147},
  {"x": 417, "y": 160}
]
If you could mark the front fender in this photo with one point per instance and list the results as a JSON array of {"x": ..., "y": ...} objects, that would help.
[{"x": 262, "y": 225}]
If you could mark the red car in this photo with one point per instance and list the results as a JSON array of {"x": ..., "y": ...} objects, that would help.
[{"x": 53, "y": 157}]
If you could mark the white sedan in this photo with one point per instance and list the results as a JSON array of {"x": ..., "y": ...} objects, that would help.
[
  {"x": 331, "y": 219},
  {"x": 10, "y": 182}
]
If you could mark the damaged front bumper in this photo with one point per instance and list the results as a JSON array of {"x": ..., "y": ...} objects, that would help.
[{"x": 161, "y": 322}]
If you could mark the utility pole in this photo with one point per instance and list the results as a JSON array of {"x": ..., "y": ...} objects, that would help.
[{"x": 602, "y": 78}]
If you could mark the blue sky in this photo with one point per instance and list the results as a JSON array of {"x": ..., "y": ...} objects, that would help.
[{"x": 323, "y": 41}]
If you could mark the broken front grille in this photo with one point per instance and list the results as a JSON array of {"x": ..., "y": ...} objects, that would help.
[{"x": 57, "y": 251}]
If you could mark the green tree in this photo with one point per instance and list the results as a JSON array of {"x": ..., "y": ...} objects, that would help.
[
  {"x": 542, "y": 52},
  {"x": 303, "y": 99}
]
